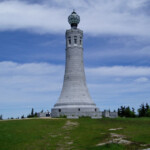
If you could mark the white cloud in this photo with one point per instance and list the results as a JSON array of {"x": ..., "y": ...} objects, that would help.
[
  {"x": 142, "y": 79},
  {"x": 34, "y": 69},
  {"x": 30, "y": 77},
  {"x": 34, "y": 17},
  {"x": 119, "y": 71},
  {"x": 125, "y": 17}
]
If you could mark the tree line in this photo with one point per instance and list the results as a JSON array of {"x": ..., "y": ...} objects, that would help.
[
  {"x": 123, "y": 111},
  {"x": 31, "y": 115},
  {"x": 143, "y": 111}
]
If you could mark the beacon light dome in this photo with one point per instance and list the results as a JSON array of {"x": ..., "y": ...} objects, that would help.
[{"x": 74, "y": 19}]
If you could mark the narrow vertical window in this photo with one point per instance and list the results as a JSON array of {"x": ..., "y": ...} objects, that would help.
[
  {"x": 80, "y": 40},
  {"x": 75, "y": 39},
  {"x": 69, "y": 40}
]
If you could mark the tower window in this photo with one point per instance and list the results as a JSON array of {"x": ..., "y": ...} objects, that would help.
[
  {"x": 80, "y": 40},
  {"x": 78, "y": 109},
  {"x": 95, "y": 109},
  {"x": 59, "y": 110},
  {"x": 75, "y": 39},
  {"x": 69, "y": 40}
]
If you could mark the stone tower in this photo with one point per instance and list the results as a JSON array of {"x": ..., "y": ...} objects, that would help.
[{"x": 74, "y": 100}]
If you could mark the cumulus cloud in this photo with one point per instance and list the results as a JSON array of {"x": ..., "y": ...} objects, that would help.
[{"x": 125, "y": 17}]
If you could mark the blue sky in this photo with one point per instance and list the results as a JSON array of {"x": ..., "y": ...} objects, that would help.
[{"x": 32, "y": 52}]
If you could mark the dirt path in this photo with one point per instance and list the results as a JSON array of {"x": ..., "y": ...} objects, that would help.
[{"x": 66, "y": 144}]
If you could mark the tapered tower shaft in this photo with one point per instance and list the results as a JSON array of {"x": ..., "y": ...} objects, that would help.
[{"x": 74, "y": 87}]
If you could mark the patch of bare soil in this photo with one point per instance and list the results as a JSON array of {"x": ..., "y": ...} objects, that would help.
[
  {"x": 121, "y": 139},
  {"x": 114, "y": 129},
  {"x": 116, "y": 138},
  {"x": 70, "y": 143},
  {"x": 53, "y": 135},
  {"x": 66, "y": 137},
  {"x": 70, "y": 125}
]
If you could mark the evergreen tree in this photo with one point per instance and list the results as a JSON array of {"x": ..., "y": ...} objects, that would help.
[
  {"x": 32, "y": 112},
  {"x": 1, "y": 117},
  {"x": 22, "y": 116},
  {"x": 119, "y": 112},
  {"x": 126, "y": 112},
  {"x": 133, "y": 112},
  {"x": 147, "y": 109},
  {"x": 148, "y": 113},
  {"x": 144, "y": 110},
  {"x": 122, "y": 111}
]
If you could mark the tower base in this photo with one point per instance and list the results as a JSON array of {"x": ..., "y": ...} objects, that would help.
[{"x": 76, "y": 112}]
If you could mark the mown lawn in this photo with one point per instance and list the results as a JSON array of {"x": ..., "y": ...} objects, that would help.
[{"x": 77, "y": 134}]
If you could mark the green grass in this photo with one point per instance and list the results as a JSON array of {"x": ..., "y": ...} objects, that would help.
[{"x": 50, "y": 134}]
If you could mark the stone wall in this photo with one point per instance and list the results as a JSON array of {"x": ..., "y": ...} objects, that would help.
[{"x": 108, "y": 114}]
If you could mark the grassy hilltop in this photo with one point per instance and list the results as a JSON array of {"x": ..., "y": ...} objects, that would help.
[{"x": 78, "y": 134}]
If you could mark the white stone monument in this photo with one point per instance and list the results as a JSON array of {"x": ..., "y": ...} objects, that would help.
[{"x": 75, "y": 100}]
